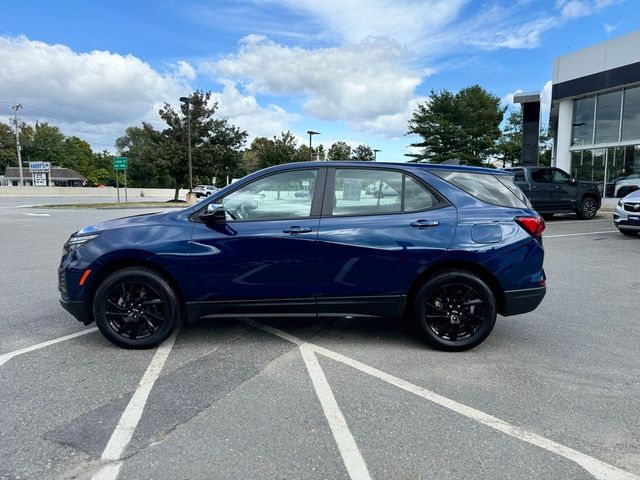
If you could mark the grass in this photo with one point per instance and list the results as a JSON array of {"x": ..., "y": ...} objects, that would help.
[{"x": 121, "y": 205}]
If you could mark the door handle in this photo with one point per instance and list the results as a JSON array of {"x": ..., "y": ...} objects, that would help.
[
  {"x": 533, "y": 187},
  {"x": 422, "y": 223},
  {"x": 296, "y": 230}
]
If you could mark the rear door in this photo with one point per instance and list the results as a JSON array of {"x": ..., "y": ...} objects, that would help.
[{"x": 375, "y": 241}]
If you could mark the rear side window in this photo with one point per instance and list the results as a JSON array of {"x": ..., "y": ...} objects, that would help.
[
  {"x": 486, "y": 187},
  {"x": 376, "y": 191}
]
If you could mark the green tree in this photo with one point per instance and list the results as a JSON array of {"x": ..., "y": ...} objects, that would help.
[
  {"x": 8, "y": 152},
  {"x": 509, "y": 146},
  {"x": 464, "y": 126},
  {"x": 265, "y": 152},
  {"x": 362, "y": 153},
  {"x": 339, "y": 151}
]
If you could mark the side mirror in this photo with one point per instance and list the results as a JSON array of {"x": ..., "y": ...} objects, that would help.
[
  {"x": 572, "y": 181},
  {"x": 214, "y": 213}
]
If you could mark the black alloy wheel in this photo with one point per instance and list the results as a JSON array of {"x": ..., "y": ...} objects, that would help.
[
  {"x": 588, "y": 209},
  {"x": 455, "y": 311},
  {"x": 136, "y": 308}
]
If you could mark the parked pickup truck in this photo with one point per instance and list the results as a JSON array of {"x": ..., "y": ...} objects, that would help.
[{"x": 552, "y": 190}]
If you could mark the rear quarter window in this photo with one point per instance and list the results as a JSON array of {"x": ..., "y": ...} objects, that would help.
[{"x": 494, "y": 189}]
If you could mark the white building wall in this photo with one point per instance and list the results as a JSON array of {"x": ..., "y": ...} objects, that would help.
[{"x": 563, "y": 135}]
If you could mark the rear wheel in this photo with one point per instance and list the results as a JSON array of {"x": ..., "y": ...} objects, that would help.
[
  {"x": 454, "y": 311},
  {"x": 588, "y": 208},
  {"x": 136, "y": 308}
]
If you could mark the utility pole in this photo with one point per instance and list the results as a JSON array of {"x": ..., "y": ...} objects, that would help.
[
  {"x": 187, "y": 101},
  {"x": 16, "y": 107}
]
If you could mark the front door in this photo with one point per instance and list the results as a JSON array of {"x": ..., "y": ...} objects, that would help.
[
  {"x": 566, "y": 190},
  {"x": 261, "y": 259},
  {"x": 542, "y": 194}
]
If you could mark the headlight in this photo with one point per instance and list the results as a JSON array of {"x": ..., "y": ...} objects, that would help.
[
  {"x": 621, "y": 202},
  {"x": 76, "y": 241}
]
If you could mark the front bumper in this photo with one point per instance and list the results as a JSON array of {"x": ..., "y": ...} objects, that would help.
[
  {"x": 522, "y": 301},
  {"x": 77, "y": 309},
  {"x": 626, "y": 220}
]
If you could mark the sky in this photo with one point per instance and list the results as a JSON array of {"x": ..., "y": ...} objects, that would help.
[{"x": 353, "y": 70}]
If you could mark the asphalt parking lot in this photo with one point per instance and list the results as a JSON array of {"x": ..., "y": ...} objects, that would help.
[{"x": 551, "y": 394}]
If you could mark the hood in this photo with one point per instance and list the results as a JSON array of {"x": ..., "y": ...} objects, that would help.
[
  {"x": 632, "y": 197},
  {"x": 144, "y": 219}
]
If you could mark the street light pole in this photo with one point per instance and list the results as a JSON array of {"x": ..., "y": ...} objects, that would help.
[
  {"x": 15, "y": 108},
  {"x": 187, "y": 100},
  {"x": 311, "y": 134},
  {"x": 375, "y": 154}
]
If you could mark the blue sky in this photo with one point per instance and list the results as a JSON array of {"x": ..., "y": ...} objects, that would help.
[{"x": 352, "y": 70}]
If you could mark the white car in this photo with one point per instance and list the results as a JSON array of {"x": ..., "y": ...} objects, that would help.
[
  {"x": 204, "y": 190},
  {"x": 626, "y": 185},
  {"x": 627, "y": 214}
]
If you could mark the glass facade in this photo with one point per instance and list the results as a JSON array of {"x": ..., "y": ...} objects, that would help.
[
  {"x": 596, "y": 119},
  {"x": 631, "y": 114},
  {"x": 606, "y": 165}
]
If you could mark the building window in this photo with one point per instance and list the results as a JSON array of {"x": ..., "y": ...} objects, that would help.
[
  {"x": 631, "y": 114},
  {"x": 582, "y": 131},
  {"x": 608, "y": 117}
]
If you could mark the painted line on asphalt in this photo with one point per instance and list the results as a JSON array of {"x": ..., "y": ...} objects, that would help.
[
  {"x": 578, "y": 234},
  {"x": 123, "y": 433},
  {"x": 551, "y": 223},
  {"x": 347, "y": 446},
  {"x": 37, "y": 214},
  {"x": 597, "y": 468},
  {"x": 4, "y": 358}
]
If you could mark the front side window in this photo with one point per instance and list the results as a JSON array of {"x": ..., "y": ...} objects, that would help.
[
  {"x": 541, "y": 176},
  {"x": 281, "y": 196},
  {"x": 558, "y": 176}
]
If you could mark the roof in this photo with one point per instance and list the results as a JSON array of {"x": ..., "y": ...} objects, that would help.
[
  {"x": 57, "y": 173},
  {"x": 526, "y": 97},
  {"x": 400, "y": 165}
]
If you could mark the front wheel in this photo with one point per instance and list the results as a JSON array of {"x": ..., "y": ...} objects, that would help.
[
  {"x": 454, "y": 311},
  {"x": 136, "y": 308},
  {"x": 588, "y": 208}
]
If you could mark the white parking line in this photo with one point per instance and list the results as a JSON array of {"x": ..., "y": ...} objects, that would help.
[
  {"x": 347, "y": 446},
  {"x": 123, "y": 433},
  {"x": 578, "y": 234},
  {"x": 599, "y": 469},
  {"x": 4, "y": 358}
]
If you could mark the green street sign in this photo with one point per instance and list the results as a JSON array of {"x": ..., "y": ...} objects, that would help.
[{"x": 120, "y": 163}]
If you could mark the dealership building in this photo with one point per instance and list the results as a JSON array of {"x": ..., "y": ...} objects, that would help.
[{"x": 595, "y": 111}]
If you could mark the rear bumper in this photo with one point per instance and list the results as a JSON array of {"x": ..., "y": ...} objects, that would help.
[
  {"x": 77, "y": 309},
  {"x": 522, "y": 301}
]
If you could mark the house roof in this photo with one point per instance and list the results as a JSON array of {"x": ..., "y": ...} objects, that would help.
[{"x": 57, "y": 173}]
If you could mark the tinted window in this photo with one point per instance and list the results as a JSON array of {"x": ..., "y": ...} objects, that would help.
[
  {"x": 608, "y": 117},
  {"x": 519, "y": 175},
  {"x": 631, "y": 114},
  {"x": 558, "y": 176},
  {"x": 486, "y": 187},
  {"x": 582, "y": 131},
  {"x": 416, "y": 197},
  {"x": 280, "y": 196},
  {"x": 541, "y": 176}
]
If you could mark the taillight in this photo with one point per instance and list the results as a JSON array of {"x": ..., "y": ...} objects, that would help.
[{"x": 533, "y": 225}]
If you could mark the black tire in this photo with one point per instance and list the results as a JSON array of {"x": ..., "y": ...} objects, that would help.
[
  {"x": 630, "y": 233},
  {"x": 588, "y": 208},
  {"x": 208, "y": 193},
  {"x": 136, "y": 308},
  {"x": 454, "y": 311}
]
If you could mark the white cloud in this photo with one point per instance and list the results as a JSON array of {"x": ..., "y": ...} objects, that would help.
[
  {"x": 98, "y": 87},
  {"x": 580, "y": 8},
  {"x": 362, "y": 84},
  {"x": 245, "y": 112}
]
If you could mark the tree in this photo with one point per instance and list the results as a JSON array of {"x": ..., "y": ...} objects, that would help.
[
  {"x": 8, "y": 152},
  {"x": 266, "y": 153},
  {"x": 339, "y": 151},
  {"x": 509, "y": 146},
  {"x": 215, "y": 143},
  {"x": 362, "y": 153},
  {"x": 465, "y": 126}
]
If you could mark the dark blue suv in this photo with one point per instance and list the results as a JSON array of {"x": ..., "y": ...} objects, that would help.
[{"x": 445, "y": 247}]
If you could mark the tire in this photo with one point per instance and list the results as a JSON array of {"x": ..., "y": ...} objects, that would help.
[
  {"x": 588, "y": 208},
  {"x": 463, "y": 323},
  {"x": 630, "y": 233},
  {"x": 129, "y": 324},
  {"x": 208, "y": 194}
]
